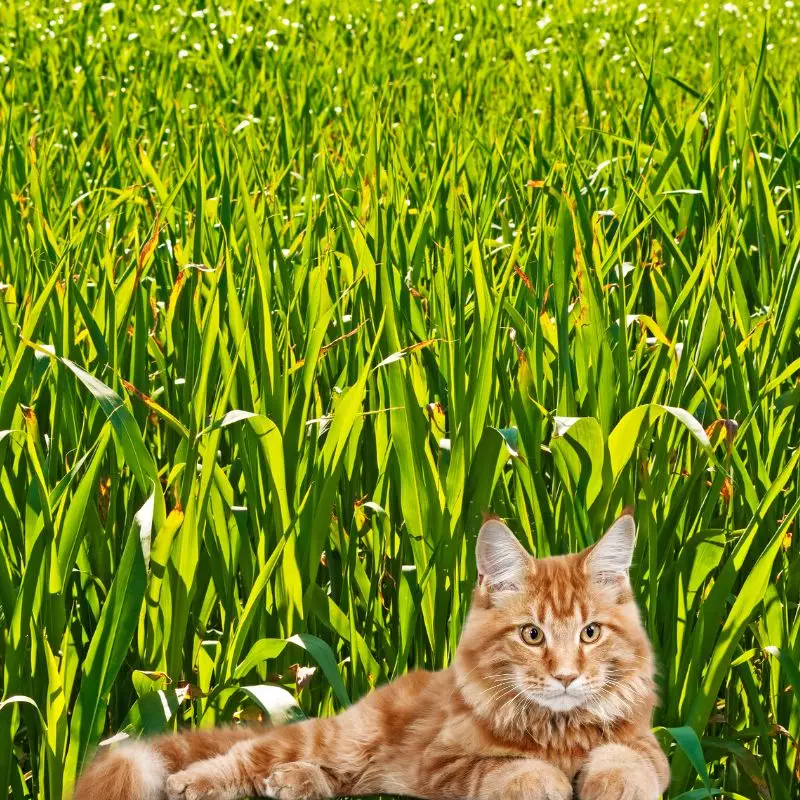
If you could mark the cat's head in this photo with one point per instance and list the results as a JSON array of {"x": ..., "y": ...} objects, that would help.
[{"x": 555, "y": 636}]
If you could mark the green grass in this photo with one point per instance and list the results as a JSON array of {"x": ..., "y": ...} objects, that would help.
[{"x": 413, "y": 243}]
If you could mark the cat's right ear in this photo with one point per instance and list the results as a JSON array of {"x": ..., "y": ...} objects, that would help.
[
  {"x": 610, "y": 559},
  {"x": 501, "y": 559}
]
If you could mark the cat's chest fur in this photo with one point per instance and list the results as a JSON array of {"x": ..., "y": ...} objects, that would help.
[{"x": 558, "y": 740}]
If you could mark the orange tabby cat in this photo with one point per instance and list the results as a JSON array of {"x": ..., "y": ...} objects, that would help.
[{"x": 552, "y": 687}]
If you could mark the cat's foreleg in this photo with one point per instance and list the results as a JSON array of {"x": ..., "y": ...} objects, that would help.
[
  {"x": 225, "y": 777},
  {"x": 254, "y": 769},
  {"x": 237, "y": 775}
]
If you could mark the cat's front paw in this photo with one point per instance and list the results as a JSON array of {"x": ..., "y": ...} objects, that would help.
[
  {"x": 297, "y": 780},
  {"x": 191, "y": 785},
  {"x": 618, "y": 773},
  {"x": 544, "y": 782}
]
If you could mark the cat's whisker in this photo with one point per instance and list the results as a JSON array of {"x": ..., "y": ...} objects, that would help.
[
  {"x": 496, "y": 685},
  {"x": 500, "y": 693},
  {"x": 521, "y": 693}
]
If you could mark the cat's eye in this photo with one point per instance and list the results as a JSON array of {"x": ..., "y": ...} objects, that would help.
[
  {"x": 531, "y": 635},
  {"x": 591, "y": 633}
]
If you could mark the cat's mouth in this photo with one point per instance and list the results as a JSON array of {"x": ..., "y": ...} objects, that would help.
[
  {"x": 563, "y": 702},
  {"x": 556, "y": 697}
]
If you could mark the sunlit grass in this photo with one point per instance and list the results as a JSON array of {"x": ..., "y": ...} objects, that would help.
[{"x": 292, "y": 293}]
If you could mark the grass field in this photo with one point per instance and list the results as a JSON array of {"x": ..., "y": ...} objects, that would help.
[{"x": 290, "y": 294}]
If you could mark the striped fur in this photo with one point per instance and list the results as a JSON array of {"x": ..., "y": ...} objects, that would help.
[{"x": 496, "y": 724}]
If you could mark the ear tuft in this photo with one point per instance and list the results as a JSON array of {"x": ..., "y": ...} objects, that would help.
[
  {"x": 501, "y": 559},
  {"x": 611, "y": 557}
]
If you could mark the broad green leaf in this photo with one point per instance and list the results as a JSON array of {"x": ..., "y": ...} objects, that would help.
[{"x": 109, "y": 646}]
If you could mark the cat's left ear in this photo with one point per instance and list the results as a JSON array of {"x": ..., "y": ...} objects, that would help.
[{"x": 611, "y": 557}]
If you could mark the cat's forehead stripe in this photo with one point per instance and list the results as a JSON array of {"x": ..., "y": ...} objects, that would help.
[
  {"x": 559, "y": 589},
  {"x": 551, "y": 611}
]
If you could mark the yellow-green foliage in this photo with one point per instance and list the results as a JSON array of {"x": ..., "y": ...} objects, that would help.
[{"x": 292, "y": 292}]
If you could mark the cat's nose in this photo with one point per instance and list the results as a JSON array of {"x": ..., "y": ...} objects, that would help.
[{"x": 566, "y": 678}]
